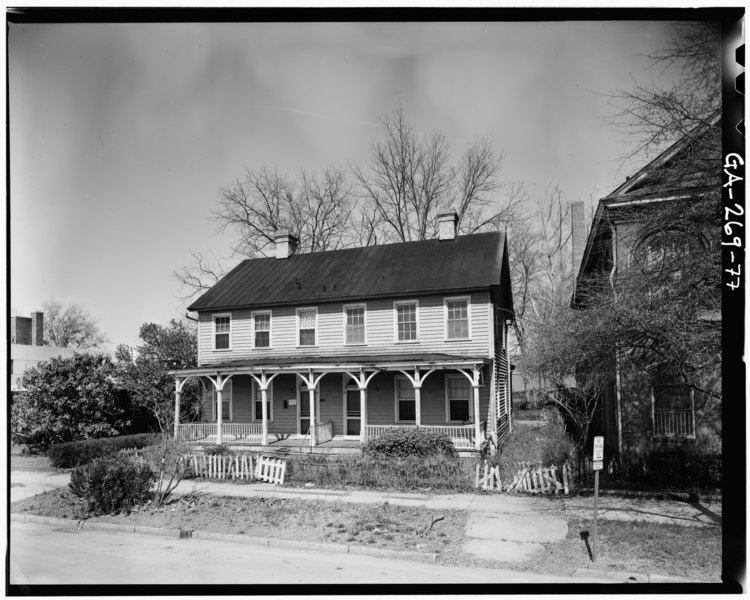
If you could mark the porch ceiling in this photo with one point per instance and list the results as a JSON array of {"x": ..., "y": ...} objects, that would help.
[{"x": 294, "y": 364}]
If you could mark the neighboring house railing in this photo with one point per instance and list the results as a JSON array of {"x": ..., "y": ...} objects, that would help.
[
  {"x": 461, "y": 435},
  {"x": 669, "y": 422}
]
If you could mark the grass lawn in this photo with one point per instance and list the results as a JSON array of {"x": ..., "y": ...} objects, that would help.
[
  {"x": 634, "y": 546},
  {"x": 630, "y": 546}
]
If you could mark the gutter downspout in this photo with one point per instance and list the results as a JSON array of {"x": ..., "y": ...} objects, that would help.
[{"x": 618, "y": 392}]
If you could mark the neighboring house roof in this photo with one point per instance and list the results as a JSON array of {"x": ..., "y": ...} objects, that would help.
[
  {"x": 655, "y": 182},
  {"x": 466, "y": 263}
]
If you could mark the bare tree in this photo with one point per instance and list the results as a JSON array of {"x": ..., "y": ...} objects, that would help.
[
  {"x": 409, "y": 180},
  {"x": 654, "y": 116},
  {"x": 70, "y": 326},
  {"x": 316, "y": 208}
]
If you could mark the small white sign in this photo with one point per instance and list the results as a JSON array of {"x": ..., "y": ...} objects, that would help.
[
  {"x": 292, "y": 401},
  {"x": 598, "y": 465},
  {"x": 599, "y": 447}
]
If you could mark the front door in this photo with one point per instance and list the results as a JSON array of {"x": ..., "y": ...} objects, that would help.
[
  {"x": 353, "y": 410},
  {"x": 303, "y": 415}
]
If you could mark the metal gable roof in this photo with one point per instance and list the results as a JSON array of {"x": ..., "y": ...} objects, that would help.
[{"x": 470, "y": 262}]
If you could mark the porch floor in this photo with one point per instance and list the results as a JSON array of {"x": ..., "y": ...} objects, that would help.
[{"x": 338, "y": 445}]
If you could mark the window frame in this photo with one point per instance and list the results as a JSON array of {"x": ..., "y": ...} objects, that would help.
[
  {"x": 345, "y": 308},
  {"x": 448, "y": 299},
  {"x": 396, "y": 305},
  {"x": 396, "y": 398},
  {"x": 256, "y": 399},
  {"x": 299, "y": 331},
  {"x": 270, "y": 328},
  {"x": 448, "y": 400},
  {"x": 678, "y": 436},
  {"x": 349, "y": 385},
  {"x": 214, "y": 334},
  {"x": 226, "y": 392}
]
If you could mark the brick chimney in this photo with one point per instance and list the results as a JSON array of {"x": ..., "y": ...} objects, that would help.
[
  {"x": 578, "y": 234},
  {"x": 37, "y": 329},
  {"x": 447, "y": 225},
  {"x": 20, "y": 330},
  {"x": 286, "y": 245}
]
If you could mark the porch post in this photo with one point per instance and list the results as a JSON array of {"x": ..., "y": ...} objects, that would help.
[
  {"x": 417, "y": 383},
  {"x": 264, "y": 412},
  {"x": 311, "y": 389},
  {"x": 477, "y": 425},
  {"x": 219, "y": 388},
  {"x": 177, "y": 387},
  {"x": 362, "y": 415}
]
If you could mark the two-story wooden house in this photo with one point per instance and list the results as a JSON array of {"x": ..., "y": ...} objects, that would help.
[{"x": 342, "y": 345}]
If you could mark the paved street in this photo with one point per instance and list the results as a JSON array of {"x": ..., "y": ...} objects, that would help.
[{"x": 46, "y": 554}]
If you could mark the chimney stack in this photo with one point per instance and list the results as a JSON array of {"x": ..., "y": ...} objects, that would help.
[
  {"x": 578, "y": 234},
  {"x": 286, "y": 245},
  {"x": 447, "y": 225},
  {"x": 37, "y": 329}
]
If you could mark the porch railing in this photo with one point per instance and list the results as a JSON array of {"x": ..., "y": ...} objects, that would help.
[
  {"x": 669, "y": 422},
  {"x": 235, "y": 433},
  {"x": 461, "y": 435}
]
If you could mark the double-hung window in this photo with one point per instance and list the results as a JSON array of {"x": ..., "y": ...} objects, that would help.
[
  {"x": 262, "y": 329},
  {"x": 457, "y": 319},
  {"x": 458, "y": 398},
  {"x": 406, "y": 408},
  {"x": 222, "y": 332},
  {"x": 307, "y": 322},
  {"x": 354, "y": 324},
  {"x": 406, "y": 321}
]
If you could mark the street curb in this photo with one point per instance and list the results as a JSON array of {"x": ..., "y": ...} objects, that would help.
[
  {"x": 628, "y": 577},
  {"x": 83, "y": 525}
]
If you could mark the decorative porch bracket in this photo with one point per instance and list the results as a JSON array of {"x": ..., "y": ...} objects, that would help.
[
  {"x": 264, "y": 381},
  {"x": 474, "y": 378},
  {"x": 219, "y": 383},
  {"x": 362, "y": 380},
  {"x": 417, "y": 382},
  {"x": 311, "y": 382}
]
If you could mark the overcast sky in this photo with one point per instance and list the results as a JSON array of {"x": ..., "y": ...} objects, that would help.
[{"x": 121, "y": 135}]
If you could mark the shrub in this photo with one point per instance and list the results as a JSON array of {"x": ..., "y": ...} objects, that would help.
[
  {"x": 217, "y": 450},
  {"x": 409, "y": 442},
  {"x": 440, "y": 472},
  {"x": 112, "y": 483},
  {"x": 66, "y": 399},
  {"x": 541, "y": 446},
  {"x": 169, "y": 461},
  {"x": 73, "y": 454}
]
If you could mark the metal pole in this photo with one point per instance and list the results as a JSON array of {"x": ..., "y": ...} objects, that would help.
[{"x": 596, "y": 507}]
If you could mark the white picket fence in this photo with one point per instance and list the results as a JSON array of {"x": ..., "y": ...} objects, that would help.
[
  {"x": 245, "y": 467},
  {"x": 529, "y": 478}
]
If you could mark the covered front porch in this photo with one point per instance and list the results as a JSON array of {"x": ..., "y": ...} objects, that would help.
[{"x": 337, "y": 405}]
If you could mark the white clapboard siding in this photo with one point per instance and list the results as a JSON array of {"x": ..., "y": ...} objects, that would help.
[{"x": 330, "y": 333}]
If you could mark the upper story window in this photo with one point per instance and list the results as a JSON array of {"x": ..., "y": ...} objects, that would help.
[
  {"x": 354, "y": 324},
  {"x": 406, "y": 321},
  {"x": 307, "y": 324},
  {"x": 457, "y": 319},
  {"x": 222, "y": 332},
  {"x": 262, "y": 329}
]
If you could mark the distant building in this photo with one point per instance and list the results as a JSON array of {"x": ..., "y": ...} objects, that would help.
[{"x": 27, "y": 347}]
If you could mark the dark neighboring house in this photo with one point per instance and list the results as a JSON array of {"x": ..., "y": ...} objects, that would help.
[
  {"x": 646, "y": 409},
  {"x": 347, "y": 344}
]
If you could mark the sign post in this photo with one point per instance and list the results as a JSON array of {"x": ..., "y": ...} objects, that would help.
[{"x": 598, "y": 464}]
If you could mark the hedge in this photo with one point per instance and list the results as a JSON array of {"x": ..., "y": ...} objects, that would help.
[
  {"x": 73, "y": 454},
  {"x": 409, "y": 442}
]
